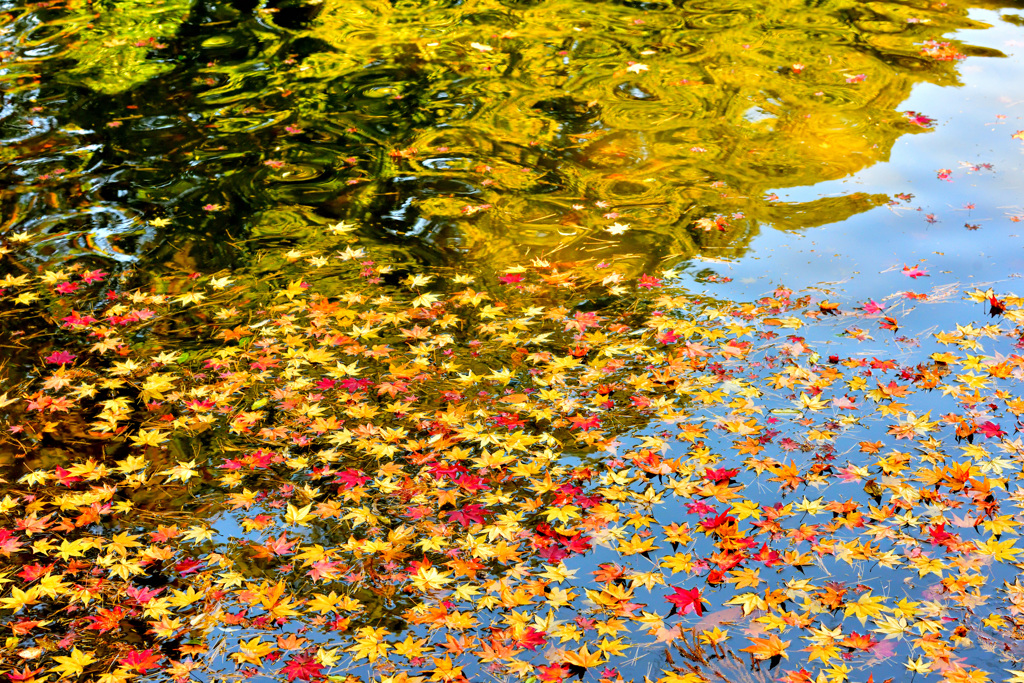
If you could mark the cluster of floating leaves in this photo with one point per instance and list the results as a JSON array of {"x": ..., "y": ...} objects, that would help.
[{"x": 442, "y": 479}]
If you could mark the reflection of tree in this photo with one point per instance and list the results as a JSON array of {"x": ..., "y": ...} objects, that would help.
[
  {"x": 721, "y": 101},
  {"x": 819, "y": 211},
  {"x": 389, "y": 114}
]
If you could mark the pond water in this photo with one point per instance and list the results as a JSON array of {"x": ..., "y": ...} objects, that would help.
[
  {"x": 411, "y": 340},
  {"x": 490, "y": 132}
]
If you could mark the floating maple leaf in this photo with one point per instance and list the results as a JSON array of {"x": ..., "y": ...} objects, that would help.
[{"x": 686, "y": 601}]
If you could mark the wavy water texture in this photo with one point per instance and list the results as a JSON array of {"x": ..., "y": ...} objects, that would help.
[{"x": 484, "y": 130}]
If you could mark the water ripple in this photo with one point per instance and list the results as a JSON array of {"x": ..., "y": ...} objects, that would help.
[{"x": 455, "y": 129}]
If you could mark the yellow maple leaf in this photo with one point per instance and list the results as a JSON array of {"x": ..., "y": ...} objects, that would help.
[
  {"x": 411, "y": 648},
  {"x": 294, "y": 289},
  {"x": 750, "y": 602},
  {"x": 865, "y": 606},
  {"x": 182, "y": 471},
  {"x": 19, "y": 599},
  {"x": 428, "y": 579},
  {"x": 999, "y": 550},
  {"x": 613, "y": 648},
  {"x": 74, "y": 664},
  {"x": 299, "y": 516},
  {"x": 150, "y": 437},
  {"x": 584, "y": 657},
  {"x": 323, "y": 603},
  {"x": 253, "y": 651},
  {"x": 768, "y": 648},
  {"x": 445, "y": 670},
  {"x": 370, "y": 643}
]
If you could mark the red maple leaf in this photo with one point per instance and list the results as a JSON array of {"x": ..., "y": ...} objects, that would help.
[
  {"x": 938, "y": 534},
  {"x": 143, "y": 595},
  {"x": 31, "y": 572},
  {"x": 553, "y": 673},
  {"x": 60, "y": 357},
  {"x": 990, "y": 429},
  {"x": 352, "y": 478},
  {"x": 532, "y": 638},
  {"x": 585, "y": 422},
  {"x": 686, "y": 601},
  {"x": 577, "y": 544},
  {"x": 582, "y": 321},
  {"x": 801, "y": 676},
  {"x": 25, "y": 674},
  {"x": 856, "y": 641},
  {"x": 769, "y": 557},
  {"x": 472, "y": 483},
  {"x": 608, "y": 572},
  {"x": 141, "y": 660},
  {"x": 323, "y": 568},
  {"x": 468, "y": 514},
  {"x": 106, "y": 620},
  {"x": 25, "y": 626},
  {"x": 280, "y": 545},
  {"x": 303, "y": 667},
  {"x": 188, "y": 566},
  {"x": 717, "y": 521},
  {"x": 720, "y": 474},
  {"x": 9, "y": 543}
]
